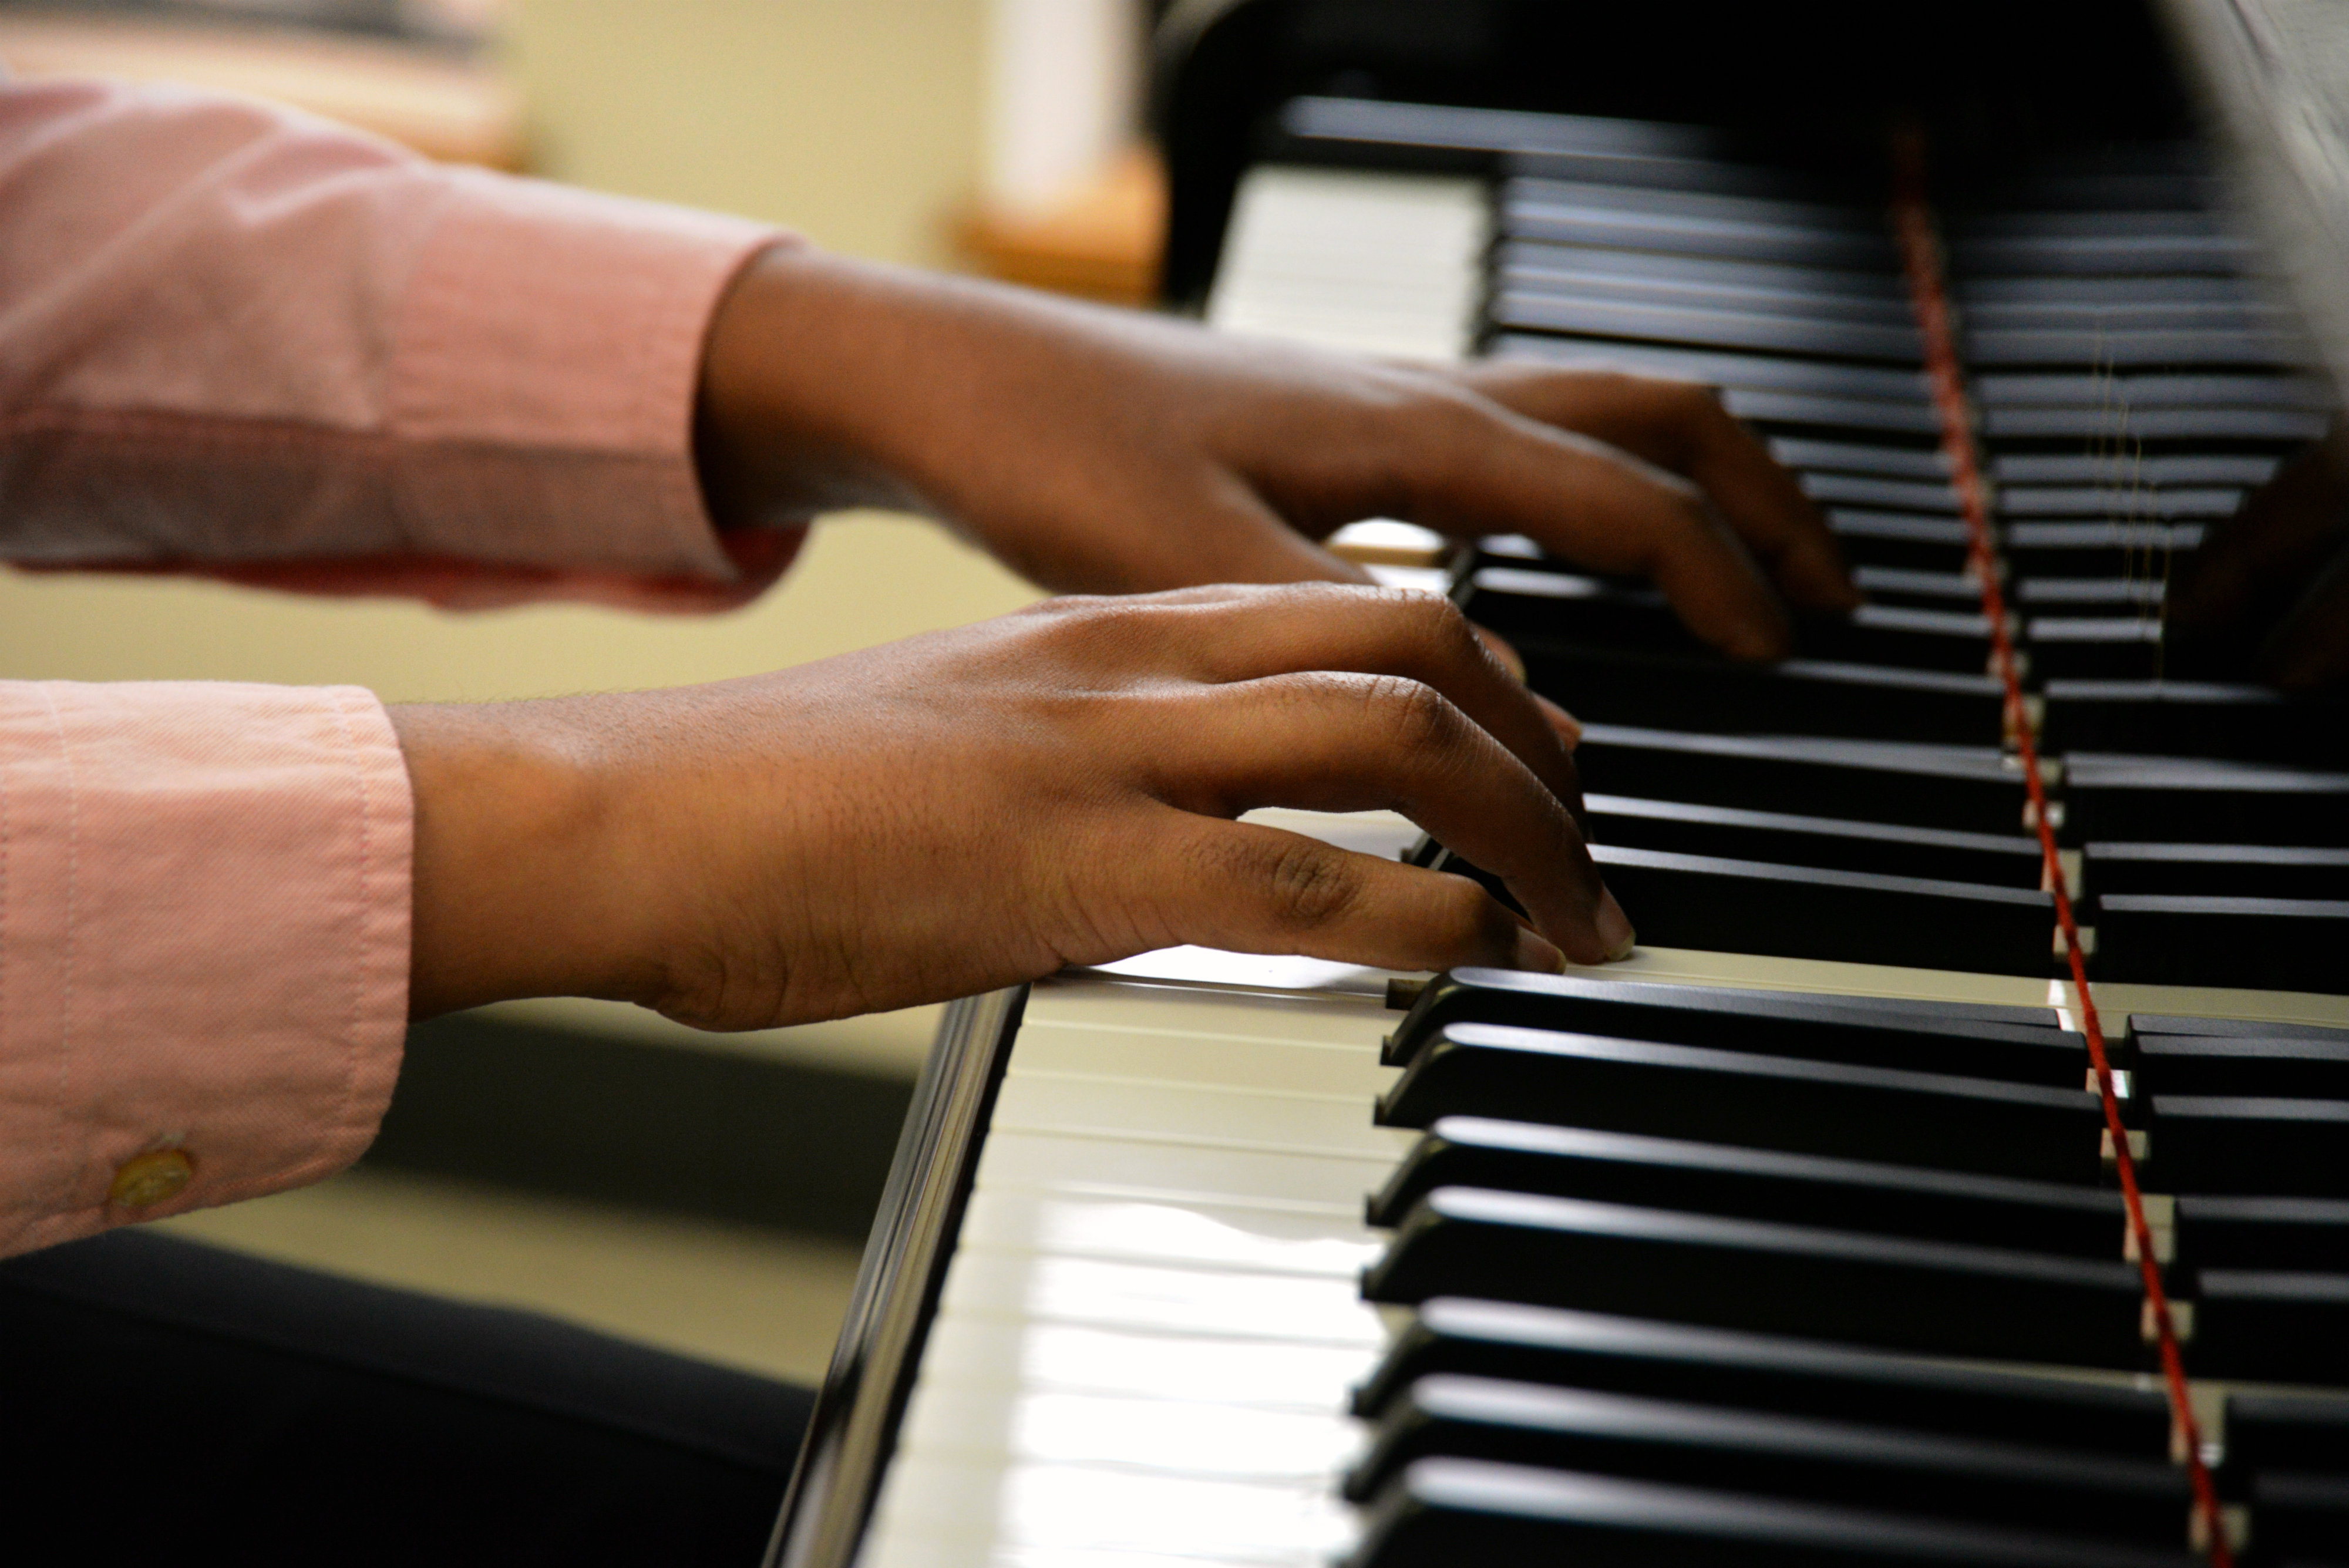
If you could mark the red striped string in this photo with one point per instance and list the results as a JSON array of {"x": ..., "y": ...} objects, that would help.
[{"x": 1922, "y": 259}]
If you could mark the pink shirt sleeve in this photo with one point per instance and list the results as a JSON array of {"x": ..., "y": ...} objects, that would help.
[{"x": 239, "y": 341}]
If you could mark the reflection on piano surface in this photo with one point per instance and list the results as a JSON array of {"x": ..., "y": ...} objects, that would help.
[{"x": 1795, "y": 1240}]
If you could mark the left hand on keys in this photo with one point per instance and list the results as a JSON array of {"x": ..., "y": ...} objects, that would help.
[{"x": 1104, "y": 450}]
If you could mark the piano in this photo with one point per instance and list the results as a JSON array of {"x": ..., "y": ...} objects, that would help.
[{"x": 1955, "y": 1175}]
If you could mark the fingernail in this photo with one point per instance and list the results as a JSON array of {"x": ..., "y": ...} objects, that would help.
[
  {"x": 1535, "y": 954},
  {"x": 1615, "y": 929}
]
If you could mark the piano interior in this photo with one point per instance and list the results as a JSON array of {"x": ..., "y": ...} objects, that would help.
[{"x": 1828, "y": 1229}]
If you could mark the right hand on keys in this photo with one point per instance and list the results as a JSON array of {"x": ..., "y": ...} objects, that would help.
[{"x": 975, "y": 807}]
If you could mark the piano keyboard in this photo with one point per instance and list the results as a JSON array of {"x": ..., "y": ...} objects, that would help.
[{"x": 1793, "y": 1238}]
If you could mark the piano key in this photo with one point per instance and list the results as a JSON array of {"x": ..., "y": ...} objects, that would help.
[
  {"x": 2007, "y": 860},
  {"x": 1753, "y": 1101},
  {"x": 2302, "y": 1513},
  {"x": 1443, "y": 1513},
  {"x": 1899, "y": 539},
  {"x": 1858, "y": 701},
  {"x": 2152, "y": 1024},
  {"x": 2273, "y": 1325},
  {"x": 1938, "y": 1297},
  {"x": 2234, "y": 1232},
  {"x": 1806, "y": 409},
  {"x": 1797, "y": 911},
  {"x": 1703, "y": 328},
  {"x": 2142, "y": 592},
  {"x": 2097, "y": 549},
  {"x": 1592, "y": 215},
  {"x": 2024, "y": 220},
  {"x": 2278, "y": 1431},
  {"x": 2132, "y": 469},
  {"x": 2109, "y": 423},
  {"x": 2094, "y": 648},
  {"x": 1983, "y": 1039},
  {"x": 1393, "y": 124},
  {"x": 1852, "y": 457},
  {"x": 2148, "y": 392},
  {"x": 2264, "y": 944},
  {"x": 1025, "y": 1353},
  {"x": 2011, "y": 1481},
  {"x": 1752, "y": 1184},
  {"x": 1862, "y": 491},
  {"x": 1969, "y": 788},
  {"x": 1765, "y": 1372},
  {"x": 2166, "y": 503},
  {"x": 1933, "y": 587},
  {"x": 1794, "y": 282},
  {"x": 2123, "y": 316},
  {"x": 2120, "y": 253},
  {"x": 1538, "y": 281},
  {"x": 1817, "y": 217},
  {"x": 2313, "y": 1068},
  {"x": 2180, "y": 718},
  {"x": 2263, "y": 1145},
  {"x": 2055, "y": 288},
  {"x": 2172, "y": 346},
  {"x": 2252, "y": 870},
  {"x": 2117, "y": 797},
  {"x": 1905, "y": 390}
]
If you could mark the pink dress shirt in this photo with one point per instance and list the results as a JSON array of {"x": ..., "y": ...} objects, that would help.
[{"x": 239, "y": 341}]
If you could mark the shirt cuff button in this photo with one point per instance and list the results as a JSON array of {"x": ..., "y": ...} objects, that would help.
[{"x": 146, "y": 1179}]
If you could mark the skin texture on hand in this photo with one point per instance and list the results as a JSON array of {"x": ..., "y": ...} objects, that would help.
[
  {"x": 1102, "y": 450},
  {"x": 965, "y": 810},
  {"x": 2269, "y": 590}
]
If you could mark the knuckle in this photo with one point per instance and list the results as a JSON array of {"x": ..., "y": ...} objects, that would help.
[
  {"x": 1310, "y": 885},
  {"x": 1415, "y": 713}
]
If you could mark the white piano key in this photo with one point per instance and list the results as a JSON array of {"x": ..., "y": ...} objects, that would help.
[
  {"x": 1356, "y": 1016},
  {"x": 1181, "y": 1437},
  {"x": 1076, "y": 1359},
  {"x": 1311, "y": 1246},
  {"x": 1176, "y": 1172},
  {"x": 1199, "y": 1301},
  {"x": 1171, "y": 1058},
  {"x": 1216, "y": 1115},
  {"x": 1096, "y": 1509}
]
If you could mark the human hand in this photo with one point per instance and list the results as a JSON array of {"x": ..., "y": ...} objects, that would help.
[
  {"x": 965, "y": 810},
  {"x": 1105, "y": 451},
  {"x": 2268, "y": 593}
]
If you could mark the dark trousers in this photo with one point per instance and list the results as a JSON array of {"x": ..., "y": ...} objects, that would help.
[{"x": 165, "y": 1401}]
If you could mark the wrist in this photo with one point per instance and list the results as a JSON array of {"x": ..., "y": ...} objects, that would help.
[{"x": 516, "y": 890}]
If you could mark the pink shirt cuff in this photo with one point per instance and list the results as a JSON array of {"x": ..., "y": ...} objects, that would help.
[{"x": 205, "y": 926}]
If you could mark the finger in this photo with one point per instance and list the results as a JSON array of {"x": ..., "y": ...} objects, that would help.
[
  {"x": 1249, "y": 889},
  {"x": 1416, "y": 637},
  {"x": 1682, "y": 426},
  {"x": 1330, "y": 742},
  {"x": 2279, "y": 535}
]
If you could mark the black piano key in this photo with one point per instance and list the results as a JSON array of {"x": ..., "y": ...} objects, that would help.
[
  {"x": 1939, "y": 1297},
  {"x": 1899, "y": 539},
  {"x": 2006, "y": 860},
  {"x": 2287, "y": 1431},
  {"x": 2124, "y": 315},
  {"x": 2190, "y": 718},
  {"x": 1752, "y": 1184},
  {"x": 2121, "y": 254},
  {"x": 2131, "y": 470},
  {"x": 2167, "y": 504},
  {"x": 1859, "y": 916},
  {"x": 2303, "y": 1517},
  {"x": 1440, "y": 1513},
  {"x": 1784, "y": 1456},
  {"x": 2196, "y": 391},
  {"x": 1971, "y": 789},
  {"x": 2094, "y": 648},
  {"x": 2277, "y": 1326},
  {"x": 1810, "y": 410},
  {"x": 2269, "y": 1145},
  {"x": 1799, "y": 696},
  {"x": 1939, "y": 1120},
  {"x": 2242, "y": 870},
  {"x": 1765, "y": 1372},
  {"x": 2277, "y": 1065},
  {"x": 2112, "y": 799},
  {"x": 2057, "y": 289},
  {"x": 1866, "y": 490},
  {"x": 2108, "y": 423},
  {"x": 1896, "y": 585},
  {"x": 1855, "y": 457},
  {"x": 1576, "y": 219},
  {"x": 1980, "y": 1039},
  {"x": 2154, "y": 347},
  {"x": 2110, "y": 549},
  {"x": 1891, "y": 291},
  {"x": 1699, "y": 328},
  {"x": 1546, "y": 279},
  {"x": 2231, "y": 1028},
  {"x": 2264, "y": 944},
  {"x": 1733, "y": 372},
  {"x": 2138, "y": 593},
  {"x": 2304, "y": 1234}
]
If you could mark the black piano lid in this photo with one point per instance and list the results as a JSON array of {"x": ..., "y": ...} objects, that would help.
[{"x": 1598, "y": 1351}]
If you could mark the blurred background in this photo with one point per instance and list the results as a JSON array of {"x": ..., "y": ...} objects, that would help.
[{"x": 709, "y": 1194}]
